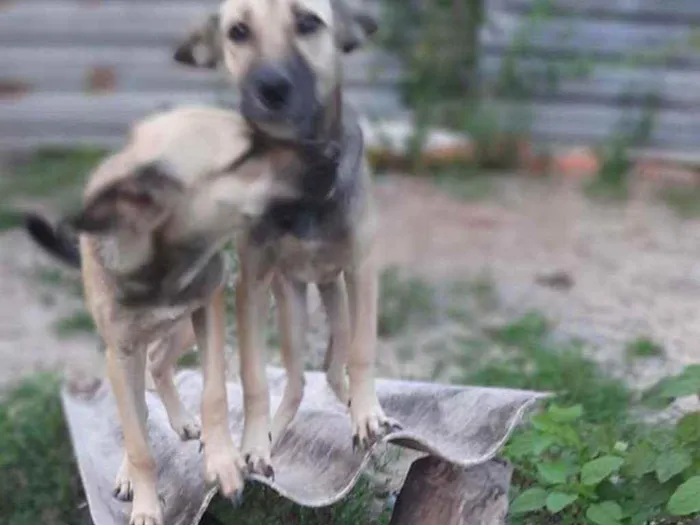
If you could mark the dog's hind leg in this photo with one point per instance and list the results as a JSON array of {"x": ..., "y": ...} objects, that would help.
[
  {"x": 162, "y": 358},
  {"x": 127, "y": 377},
  {"x": 293, "y": 323},
  {"x": 335, "y": 302}
]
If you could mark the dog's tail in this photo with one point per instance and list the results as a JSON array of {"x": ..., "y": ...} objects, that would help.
[{"x": 58, "y": 241}]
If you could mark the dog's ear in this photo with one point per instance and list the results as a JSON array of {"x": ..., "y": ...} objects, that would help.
[
  {"x": 202, "y": 47},
  {"x": 138, "y": 202},
  {"x": 353, "y": 26}
]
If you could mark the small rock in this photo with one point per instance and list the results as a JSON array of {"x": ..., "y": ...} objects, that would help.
[{"x": 557, "y": 279}]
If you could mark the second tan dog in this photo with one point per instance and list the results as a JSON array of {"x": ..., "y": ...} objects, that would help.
[
  {"x": 284, "y": 56},
  {"x": 154, "y": 218}
]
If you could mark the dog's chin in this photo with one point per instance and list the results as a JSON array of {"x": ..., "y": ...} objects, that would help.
[{"x": 297, "y": 124}]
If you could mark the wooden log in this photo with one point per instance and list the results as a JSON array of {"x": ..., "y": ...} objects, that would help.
[{"x": 438, "y": 493}]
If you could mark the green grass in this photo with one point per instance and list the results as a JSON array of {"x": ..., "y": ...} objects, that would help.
[
  {"x": 189, "y": 360},
  {"x": 466, "y": 183},
  {"x": 55, "y": 175},
  {"x": 263, "y": 506},
  {"x": 684, "y": 201},
  {"x": 404, "y": 302},
  {"x": 39, "y": 482},
  {"x": 586, "y": 457},
  {"x": 531, "y": 361},
  {"x": 54, "y": 279},
  {"x": 50, "y": 171},
  {"x": 79, "y": 322},
  {"x": 644, "y": 347},
  {"x": 9, "y": 219}
]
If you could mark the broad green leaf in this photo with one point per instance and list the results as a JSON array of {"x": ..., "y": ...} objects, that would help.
[
  {"x": 686, "y": 383},
  {"x": 522, "y": 444},
  {"x": 680, "y": 386},
  {"x": 688, "y": 428},
  {"x": 541, "y": 443},
  {"x": 569, "y": 436},
  {"x": 668, "y": 464},
  {"x": 565, "y": 414},
  {"x": 640, "y": 460},
  {"x": 544, "y": 423},
  {"x": 558, "y": 501},
  {"x": 597, "y": 470},
  {"x": 649, "y": 493},
  {"x": 606, "y": 513},
  {"x": 686, "y": 499},
  {"x": 556, "y": 473},
  {"x": 530, "y": 500}
]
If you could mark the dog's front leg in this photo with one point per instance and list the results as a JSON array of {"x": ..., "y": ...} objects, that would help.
[
  {"x": 369, "y": 422},
  {"x": 222, "y": 460},
  {"x": 137, "y": 476},
  {"x": 252, "y": 300},
  {"x": 293, "y": 317},
  {"x": 335, "y": 302}
]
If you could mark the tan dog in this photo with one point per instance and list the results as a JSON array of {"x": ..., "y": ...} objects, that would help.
[
  {"x": 154, "y": 218},
  {"x": 285, "y": 58}
]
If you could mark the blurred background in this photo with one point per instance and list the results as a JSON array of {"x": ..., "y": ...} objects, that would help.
[{"x": 537, "y": 176}]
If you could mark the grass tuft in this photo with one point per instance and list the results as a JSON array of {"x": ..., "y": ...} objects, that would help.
[{"x": 39, "y": 482}]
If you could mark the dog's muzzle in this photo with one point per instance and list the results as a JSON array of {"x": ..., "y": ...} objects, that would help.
[{"x": 282, "y": 94}]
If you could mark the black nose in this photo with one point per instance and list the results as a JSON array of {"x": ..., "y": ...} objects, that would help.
[{"x": 274, "y": 89}]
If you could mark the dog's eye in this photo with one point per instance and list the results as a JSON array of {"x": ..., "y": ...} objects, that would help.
[
  {"x": 239, "y": 32},
  {"x": 307, "y": 23}
]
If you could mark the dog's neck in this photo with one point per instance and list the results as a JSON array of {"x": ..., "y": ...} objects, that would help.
[
  {"x": 327, "y": 169},
  {"x": 318, "y": 160}
]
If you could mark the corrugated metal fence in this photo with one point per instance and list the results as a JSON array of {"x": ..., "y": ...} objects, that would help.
[{"x": 78, "y": 72}]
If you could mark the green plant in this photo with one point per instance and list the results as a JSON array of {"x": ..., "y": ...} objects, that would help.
[
  {"x": 9, "y": 219},
  {"x": 531, "y": 359},
  {"x": 404, "y": 301},
  {"x": 79, "y": 322},
  {"x": 445, "y": 81},
  {"x": 612, "y": 179},
  {"x": 685, "y": 201},
  {"x": 261, "y": 505},
  {"x": 604, "y": 474},
  {"x": 39, "y": 481},
  {"x": 585, "y": 458},
  {"x": 50, "y": 170},
  {"x": 644, "y": 347}
]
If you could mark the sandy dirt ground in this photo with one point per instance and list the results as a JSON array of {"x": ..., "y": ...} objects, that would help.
[{"x": 634, "y": 270}]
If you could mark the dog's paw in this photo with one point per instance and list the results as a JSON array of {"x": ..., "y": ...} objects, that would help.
[
  {"x": 370, "y": 424},
  {"x": 145, "y": 519},
  {"x": 147, "y": 508},
  {"x": 123, "y": 489},
  {"x": 256, "y": 452},
  {"x": 187, "y": 427},
  {"x": 146, "y": 512},
  {"x": 223, "y": 465}
]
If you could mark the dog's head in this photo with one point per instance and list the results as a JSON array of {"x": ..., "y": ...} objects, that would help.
[{"x": 282, "y": 54}]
